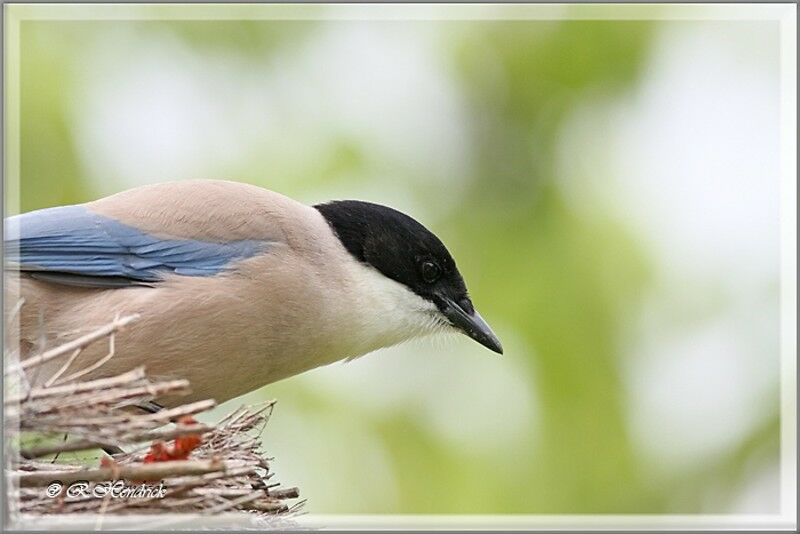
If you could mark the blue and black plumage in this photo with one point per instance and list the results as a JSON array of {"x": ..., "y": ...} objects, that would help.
[{"x": 74, "y": 246}]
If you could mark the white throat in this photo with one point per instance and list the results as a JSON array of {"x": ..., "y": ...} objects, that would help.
[{"x": 385, "y": 312}]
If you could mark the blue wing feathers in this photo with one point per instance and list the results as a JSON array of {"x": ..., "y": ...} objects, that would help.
[{"x": 74, "y": 241}]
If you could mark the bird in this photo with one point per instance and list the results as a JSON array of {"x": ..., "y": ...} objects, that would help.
[{"x": 235, "y": 286}]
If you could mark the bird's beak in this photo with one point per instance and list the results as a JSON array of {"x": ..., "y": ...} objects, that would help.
[{"x": 471, "y": 324}]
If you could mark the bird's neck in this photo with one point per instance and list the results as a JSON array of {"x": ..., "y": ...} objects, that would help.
[{"x": 381, "y": 313}]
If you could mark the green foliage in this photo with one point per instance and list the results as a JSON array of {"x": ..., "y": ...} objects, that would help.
[{"x": 578, "y": 270}]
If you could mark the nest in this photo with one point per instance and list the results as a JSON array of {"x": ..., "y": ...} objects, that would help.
[{"x": 162, "y": 462}]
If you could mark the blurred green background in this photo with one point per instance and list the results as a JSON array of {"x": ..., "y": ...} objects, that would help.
[{"x": 608, "y": 188}]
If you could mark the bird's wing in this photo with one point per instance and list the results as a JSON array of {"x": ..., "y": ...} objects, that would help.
[{"x": 72, "y": 245}]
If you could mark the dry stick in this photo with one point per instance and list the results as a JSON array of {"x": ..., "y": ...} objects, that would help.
[
  {"x": 165, "y": 502},
  {"x": 173, "y": 413},
  {"x": 119, "y": 394},
  {"x": 296, "y": 506},
  {"x": 154, "y": 471},
  {"x": 12, "y": 315},
  {"x": 64, "y": 367},
  {"x": 163, "y": 416},
  {"x": 72, "y": 358},
  {"x": 287, "y": 493},
  {"x": 233, "y": 504},
  {"x": 96, "y": 405},
  {"x": 54, "y": 379},
  {"x": 39, "y": 414},
  {"x": 223, "y": 492},
  {"x": 179, "y": 486},
  {"x": 80, "y": 387},
  {"x": 235, "y": 481},
  {"x": 269, "y": 507},
  {"x": 38, "y": 466},
  {"x": 98, "y": 363},
  {"x": 251, "y": 412},
  {"x": 67, "y": 348},
  {"x": 85, "y": 444}
]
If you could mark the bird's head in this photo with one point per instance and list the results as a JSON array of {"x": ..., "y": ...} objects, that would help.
[{"x": 402, "y": 250}]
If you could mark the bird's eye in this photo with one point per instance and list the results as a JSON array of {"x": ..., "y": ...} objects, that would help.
[{"x": 430, "y": 272}]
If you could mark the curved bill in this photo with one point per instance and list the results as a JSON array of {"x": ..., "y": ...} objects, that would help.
[{"x": 471, "y": 324}]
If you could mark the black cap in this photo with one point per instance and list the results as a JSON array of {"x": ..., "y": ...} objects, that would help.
[{"x": 404, "y": 250}]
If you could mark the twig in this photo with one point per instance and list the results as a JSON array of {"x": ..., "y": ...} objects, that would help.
[
  {"x": 64, "y": 367},
  {"x": 287, "y": 493},
  {"x": 163, "y": 416},
  {"x": 154, "y": 471},
  {"x": 12, "y": 315},
  {"x": 233, "y": 504},
  {"x": 269, "y": 507},
  {"x": 83, "y": 372},
  {"x": 226, "y": 471},
  {"x": 69, "y": 347},
  {"x": 69, "y": 389},
  {"x": 120, "y": 394},
  {"x": 85, "y": 444}
]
